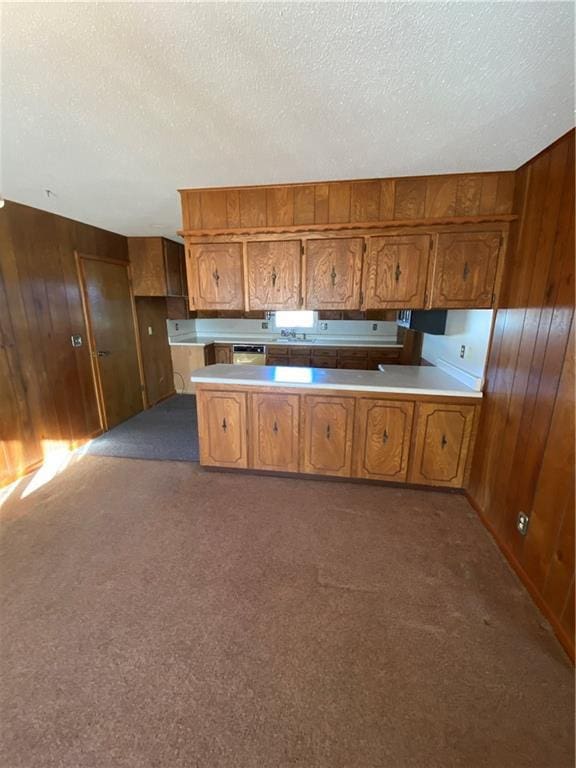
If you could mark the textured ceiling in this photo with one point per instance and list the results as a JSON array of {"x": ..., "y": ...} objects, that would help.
[{"x": 114, "y": 107}]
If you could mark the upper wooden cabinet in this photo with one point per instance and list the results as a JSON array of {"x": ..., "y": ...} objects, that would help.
[
  {"x": 215, "y": 278},
  {"x": 274, "y": 274},
  {"x": 395, "y": 272},
  {"x": 328, "y": 433},
  {"x": 157, "y": 266},
  {"x": 274, "y": 430},
  {"x": 441, "y": 446},
  {"x": 382, "y": 439},
  {"x": 465, "y": 269},
  {"x": 333, "y": 270}
]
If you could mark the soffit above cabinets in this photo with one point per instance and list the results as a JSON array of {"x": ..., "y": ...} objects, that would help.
[{"x": 109, "y": 108}]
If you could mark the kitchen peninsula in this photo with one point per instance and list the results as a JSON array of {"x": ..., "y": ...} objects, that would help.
[{"x": 403, "y": 424}]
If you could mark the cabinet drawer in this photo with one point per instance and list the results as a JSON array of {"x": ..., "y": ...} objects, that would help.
[
  {"x": 325, "y": 352},
  {"x": 351, "y": 352}
]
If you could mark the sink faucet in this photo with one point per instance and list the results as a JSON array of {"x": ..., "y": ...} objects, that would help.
[{"x": 288, "y": 333}]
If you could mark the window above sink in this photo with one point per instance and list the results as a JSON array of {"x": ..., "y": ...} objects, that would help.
[{"x": 295, "y": 319}]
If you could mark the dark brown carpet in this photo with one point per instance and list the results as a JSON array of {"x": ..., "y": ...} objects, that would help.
[{"x": 156, "y": 616}]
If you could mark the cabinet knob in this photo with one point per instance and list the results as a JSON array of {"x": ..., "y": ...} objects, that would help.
[
  {"x": 443, "y": 442},
  {"x": 397, "y": 273},
  {"x": 385, "y": 437},
  {"x": 224, "y": 425}
]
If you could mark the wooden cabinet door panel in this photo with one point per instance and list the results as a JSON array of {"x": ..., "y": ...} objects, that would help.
[
  {"x": 222, "y": 353},
  {"x": 382, "y": 439},
  {"x": 274, "y": 274},
  {"x": 173, "y": 266},
  {"x": 333, "y": 273},
  {"x": 274, "y": 432},
  {"x": 222, "y": 429},
  {"x": 465, "y": 268},
  {"x": 215, "y": 276},
  {"x": 395, "y": 272},
  {"x": 328, "y": 428},
  {"x": 443, "y": 435}
]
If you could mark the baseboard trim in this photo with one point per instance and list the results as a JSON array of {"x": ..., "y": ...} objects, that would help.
[
  {"x": 161, "y": 399},
  {"x": 565, "y": 640}
]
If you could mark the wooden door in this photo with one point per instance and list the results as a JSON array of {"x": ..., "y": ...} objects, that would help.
[
  {"x": 173, "y": 256},
  {"x": 333, "y": 270},
  {"x": 395, "y": 272},
  {"x": 222, "y": 428},
  {"x": 215, "y": 276},
  {"x": 274, "y": 274},
  {"x": 465, "y": 268},
  {"x": 274, "y": 430},
  {"x": 382, "y": 439},
  {"x": 109, "y": 311},
  {"x": 328, "y": 428},
  {"x": 442, "y": 442}
]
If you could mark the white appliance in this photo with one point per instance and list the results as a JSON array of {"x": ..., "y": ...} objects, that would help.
[{"x": 248, "y": 354}]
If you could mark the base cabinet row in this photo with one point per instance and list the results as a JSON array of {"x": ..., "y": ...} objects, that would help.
[{"x": 427, "y": 443}]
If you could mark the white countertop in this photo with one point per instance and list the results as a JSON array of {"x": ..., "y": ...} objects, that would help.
[
  {"x": 399, "y": 379},
  {"x": 271, "y": 341}
]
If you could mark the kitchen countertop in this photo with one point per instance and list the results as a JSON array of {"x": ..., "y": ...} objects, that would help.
[
  {"x": 399, "y": 379},
  {"x": 316, "y": 341}
]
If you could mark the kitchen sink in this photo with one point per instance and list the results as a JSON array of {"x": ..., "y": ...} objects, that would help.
[{"x": 288, "y": 340}]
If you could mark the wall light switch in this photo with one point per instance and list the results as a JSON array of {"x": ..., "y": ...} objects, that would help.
[
  {"x": 374, "y": 326},
  {"x": 76, "y": 340},
  {"x": 150, "y": 331},
  {"x": 264, "y": 325},
  {"x": 176, "y": 327}
]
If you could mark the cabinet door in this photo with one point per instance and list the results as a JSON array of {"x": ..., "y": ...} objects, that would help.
[
  {"x": 274, "y": 274},
  {"x": 382, "y": 439},
  {"x": 274, "y": 430},
  {"x": 333, "y": 273},
  {"x": 328, "y": 427},
  {"x": 173, "y": 253},
  {"x": 465, "y": 268},
  {"x": 222, "y": 353},
  {"x": 395, "y": 272},
  {"x": 215, "y": 276},
  {"x": 147, "y": 266},
  {"x": 222, "y": 428},
  {"x": 443, "y": 435}
]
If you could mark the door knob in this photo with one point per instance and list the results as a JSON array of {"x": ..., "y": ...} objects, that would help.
[{"x": 103, "y": 352}]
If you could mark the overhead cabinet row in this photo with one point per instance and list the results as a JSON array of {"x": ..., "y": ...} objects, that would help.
[{"x": 441, "y": 270}]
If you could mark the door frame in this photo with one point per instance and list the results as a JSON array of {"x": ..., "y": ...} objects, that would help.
[{"x": 96, "y": 376}]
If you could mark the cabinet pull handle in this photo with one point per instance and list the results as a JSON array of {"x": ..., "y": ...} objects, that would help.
[
  {"x": 385, "y": 437},
  {"x": 224, "y": 425},
  {"x": 274, "y": 276},
  {"x": 333, "y": 277},
  {"x": 328, "y": 431},
  {"x": 397, "y": 273},
  {"x": 216, "y": 277},
  {"x": 275, "y": 428},
  {"x": 443, "y": 442},
  {"x": 465, "y": 271}
]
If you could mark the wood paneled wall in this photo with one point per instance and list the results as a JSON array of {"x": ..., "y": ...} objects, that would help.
[
  {"x": 524, "y": 459},
  {"x": 47, "y": 395},
  {"x": 156, "y": 360},
  {"x": 338, "y": 203}
]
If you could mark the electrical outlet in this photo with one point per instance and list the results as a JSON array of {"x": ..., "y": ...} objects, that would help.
[
  {"x": 76, "y": 340},
  {"x": 374, "y": 326},
  {"x": 265, "y": 326},
  {"x": 522, "y": 523},
  {"x": 176, "y": 327},
  {"x": 463, "y": 351},
  {"x": 323, "y": 326}
]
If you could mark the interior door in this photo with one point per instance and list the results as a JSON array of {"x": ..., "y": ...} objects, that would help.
[
  {"x": 328, "y": 426},
  {"x": 395, "y": 272},
  {"x": 382, "y": 439},
  {"x": 333, "y": 273},
  {"x": 274, "y": 274},
  {"x": 110, "y": 318},
  {"x": 465, "y": 269},
  {"x": 215, "y": 276},
  {"x": 274, "y": 421}
]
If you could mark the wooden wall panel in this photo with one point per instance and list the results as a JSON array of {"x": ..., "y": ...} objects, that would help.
[
  {"x": 47, "y": 394},
  {"x": 524, "y": 459},
  {"x": 156, "y": 359},
  {"x": 372, "y": 201}
]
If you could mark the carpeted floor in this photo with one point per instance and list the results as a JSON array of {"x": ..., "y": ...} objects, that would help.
[
  {"x": 166, "y": 432},
  {"x": 157, "y": 616}
]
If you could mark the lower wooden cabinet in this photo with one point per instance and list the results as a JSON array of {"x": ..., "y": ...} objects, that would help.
[
  {"x": 223, "y": 353},
  {"x": 382, "y": 439},
  {"x": 344, "y": 435},
  {"x": 222, "y": 429},
  {"x": 274, "y": 432},
  {"x": 442, "y": 444},
  {"x": 328, "y": 432}
]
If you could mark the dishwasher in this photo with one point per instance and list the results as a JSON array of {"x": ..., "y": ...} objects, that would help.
[{"x": 248, "y": 354}]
